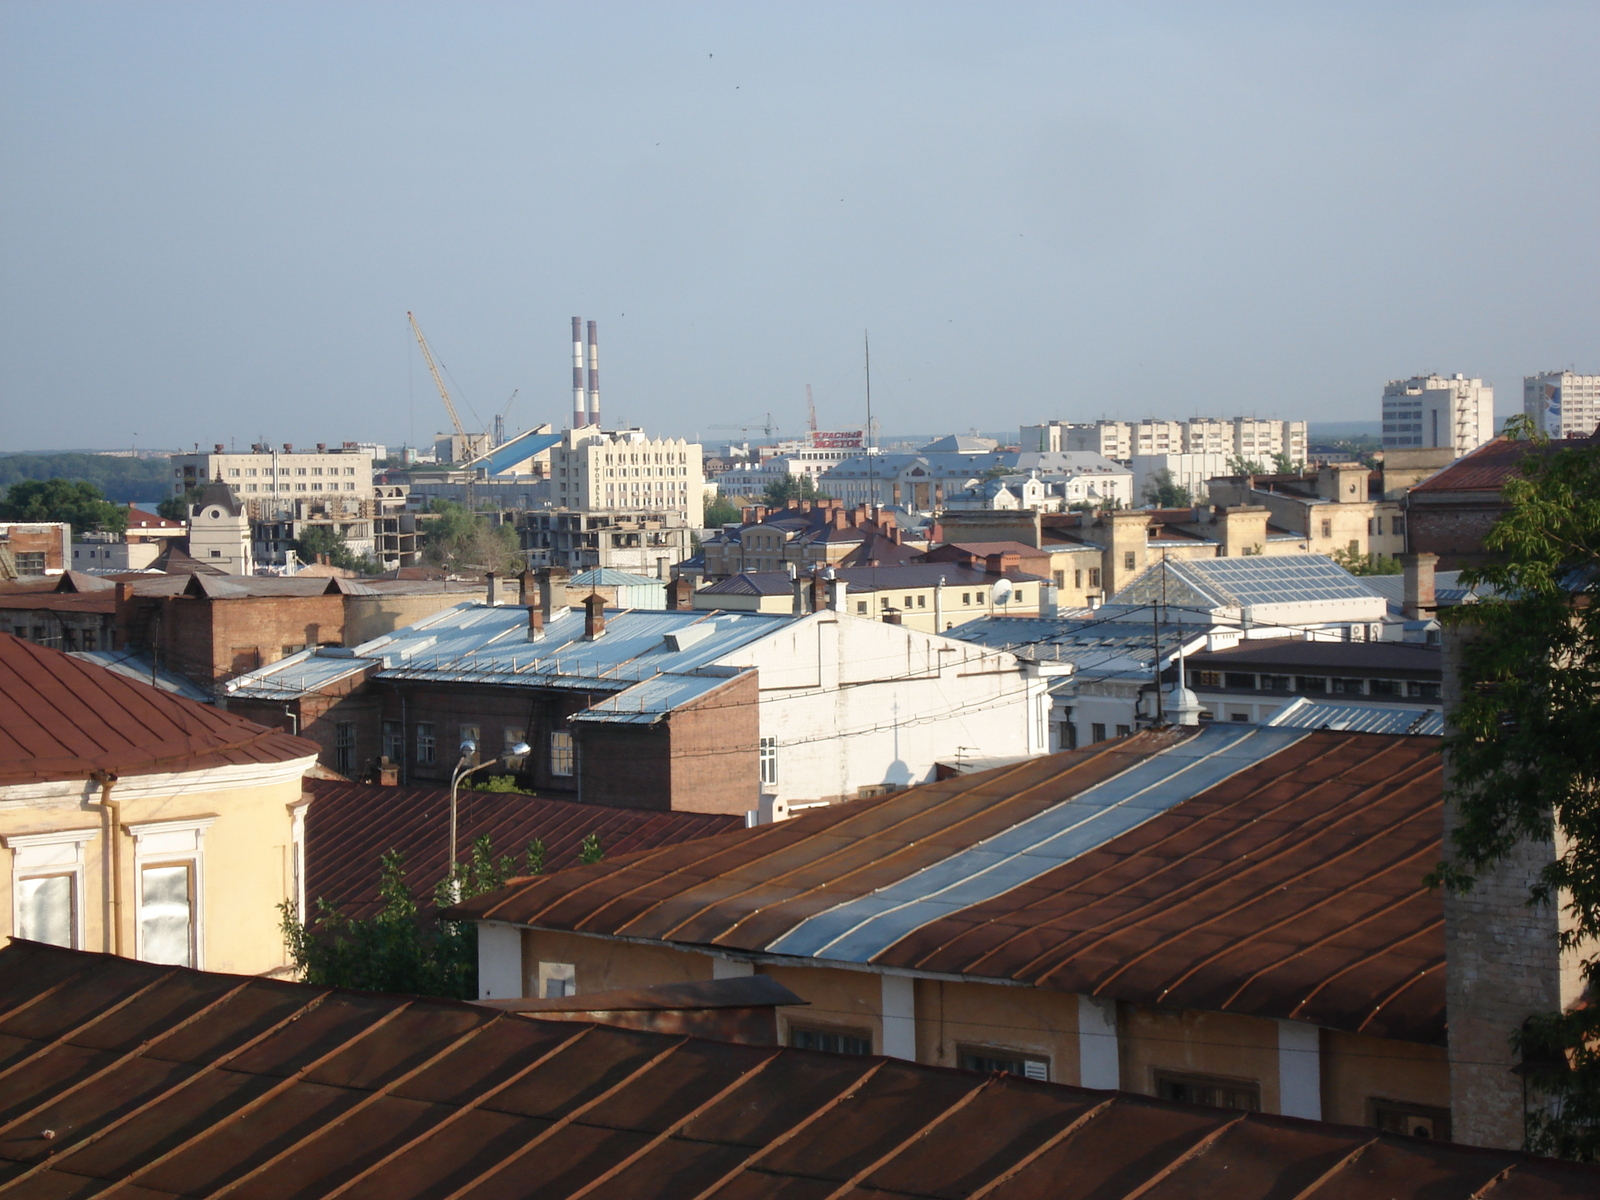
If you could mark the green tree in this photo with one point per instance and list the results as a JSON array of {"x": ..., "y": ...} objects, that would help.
[
  {"x": 1239, "y": 465},
  {"x": 1524, "y": 744},
  {"x": 590, "y": 851},
  {"x": 1282, "y": 464},
  {"x": 318, "y": 540},
  {"x": 83, "y": 504},
  {"x": 121, "y": 478},
  {"x": 720, "y": 512},
  {"x": 397, "y": 950},
  {"x": 1161, "y": 492},
  {"x": 1366, "y": 564},
  {"x": 790, "y": 487},
  {"x": 176, "y": 508},
  {"x": 457, "y": 539}
]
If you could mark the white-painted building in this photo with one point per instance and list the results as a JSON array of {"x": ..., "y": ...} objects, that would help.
[
  {"x": 1251, "y": 438},
  {"x": 1452, "y": 412},
  {"x": 601, "y": 470},
  {"x": 1563, "y": 404},
  {"x": 1190, "y": 471},
  {"x": 219, "y": 532},
  {"x": 269, "y": 481}
]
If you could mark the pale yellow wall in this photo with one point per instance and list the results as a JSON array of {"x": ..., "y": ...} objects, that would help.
[
  {"x": 1357, "y": 1069},
  {"x": 367, "y": 617},
  {"x": 246, "y": 869},
  {"x": 601, "y": 965},
  {"x": 1191, "y": 1042},
  {"x": 1032, "y": 1021}
]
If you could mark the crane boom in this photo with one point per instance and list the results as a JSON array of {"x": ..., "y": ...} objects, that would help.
[
  {"x": 438, "y": 381},
  {"x": 811, "y": 410}
]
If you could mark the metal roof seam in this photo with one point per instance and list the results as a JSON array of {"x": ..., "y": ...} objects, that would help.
[
  {"x": 561, "y": 1123},
  {"x": 1344, "y": 1163},
  {"x": 1399, "y": 990},
  {"x": 93, "y": 1019},
  {"x": 1379, "y": 795},
  {"x": 1194, "y": 1151},
  {"x": 1243, "y": 799},
  {"x": 1393, "y": 943},
  {"x": 1070, "y": 1129}
]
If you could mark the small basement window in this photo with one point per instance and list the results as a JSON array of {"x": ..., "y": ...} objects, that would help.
[
  {"x": 1410, "y": 1120},
  {"x": 1239, "y": 1095},
  {"x": 830, "y": 1041},
  {"x": 557, "y": 980},
  {"x": 1006, "y": 1062}
]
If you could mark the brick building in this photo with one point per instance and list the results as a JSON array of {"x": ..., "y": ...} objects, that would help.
[{"x": 32, "y": 548}]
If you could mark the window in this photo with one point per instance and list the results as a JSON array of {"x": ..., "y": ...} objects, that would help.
[
  {"x": 1097, "y": 732},
  {"x": 1347, "y": 687},
  {"x": 861, "y": 606},
  {"x": 1124, "y": 730},
  {"x": 166, "y": 914},
  {"x": 30, "y": 563},
  {"x": 908, "y": 601},
  {"x": 966, "y": 597},
  {"x": 1077, "y": 579},
  {"x": 831, "y": 1041},
  {"x": 47, "y": 885},
  {"x": 1411, "y": 1120},
  {"x": 1007, "y": 1062},
  {"x": 1127, "y": 560},
  {"x": 1310, "y": 683},
  {"x": 465, "y": 734},
  {"x": 1240, "y": 679},
  {"x": 1421, "y": 690},
  {"x": 427, "y": 742},
  {"x": 1397, "y": 526},
  {"x": 344, "y": 748},
  {"x": 1218, "y": 1093},
  {"x": 394, "y": 746},
  {"x": 769, "y": 760},
  {"x": 922, "y": 602},
  {"x": 561, "y": 753},
  {"x": 1094, "y": 578},
  {"x": 1208, "y": 678},
  {"x": 1385, "y": 687},
  {"x": 1240, "y": 718},
  {"x": 299, "y": 470},
  {"x": 1327, "y": 529},
  {"x": 557, "y": 980},
  {"x": 1274, "y": 683},
  {"x": 509, "y": 738}
]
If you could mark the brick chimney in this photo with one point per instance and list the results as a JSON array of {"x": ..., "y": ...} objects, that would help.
[
  {"x": 594, "y": 617},
  {"x": 386, "y": 773},
  {"x": 680, "y": 595},
  {"x": 527, "y": 588},
  {"x": 125, "y": 614},
  {"x": 1420, "y": 600},
  {"x": 494, "y": 588},
  {"x": 535, "y": 623},
  {"x": 552, "y": 591},
  {"x": 819, "y": 592},
  {"x": 839, "y": 519}
]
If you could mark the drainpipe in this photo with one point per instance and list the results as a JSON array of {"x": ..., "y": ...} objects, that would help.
[{"x": 112, "y": 871}]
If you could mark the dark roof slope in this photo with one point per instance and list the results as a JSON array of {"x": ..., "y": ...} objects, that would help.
[
  {"x": 1488, "y": 467},
  {"x": 160, "y": 1082},
  {"x": 62, "y": 718},
  {"x": 1406, "y": 658},
  {"x": 350, "y": 825},
  {"x": 1289, "y": 887}
]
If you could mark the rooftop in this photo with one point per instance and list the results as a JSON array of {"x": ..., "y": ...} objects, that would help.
[
  {"x": 1246, "y": 583},
  {"x": 1300, "y": 856},
  {"x": 62, "y": 719},
  {"x": 869, "y": 579},
  {"x": 1407, "y": 659},
  {"x": 206, "y": 1083},
  {"x": 1306, "y": 713}
]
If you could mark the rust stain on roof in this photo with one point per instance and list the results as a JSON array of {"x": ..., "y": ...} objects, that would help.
[
  {"x": 62, "y": 719},
  {"x": 160, "y": 1082}
]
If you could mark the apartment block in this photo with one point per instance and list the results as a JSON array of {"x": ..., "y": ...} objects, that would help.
[
  {"x": 1247, "y": 437},
  {"x": 1562, "y": 403},
  {"x": 1438, "y": 411},
  {"x": 268, "y": 481},
  {"x": 627, "y": 470}
]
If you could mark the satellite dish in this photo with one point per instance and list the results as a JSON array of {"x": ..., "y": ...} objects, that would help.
[{"x": 1002, "y": 591}]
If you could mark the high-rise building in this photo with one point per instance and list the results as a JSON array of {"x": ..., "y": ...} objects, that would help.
[
  {"x": 1562, "y": 403},
  {"x": 1449, "y": 412},
  {"x": 598, "y": 469},
  {"x": 1252, "y": 438},
  {"x": 268, "y": 481}
]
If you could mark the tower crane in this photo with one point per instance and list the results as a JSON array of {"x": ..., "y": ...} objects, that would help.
[
  {"x": 811, "y": 410},
  {"x": 438, "y": 382}
]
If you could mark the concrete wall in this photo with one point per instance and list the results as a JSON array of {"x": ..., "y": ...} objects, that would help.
[{"x": 367, "y": 617}]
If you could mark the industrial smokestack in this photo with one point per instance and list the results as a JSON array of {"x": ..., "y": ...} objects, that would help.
[
  {"x": 580, "y": 416},
  {"x": 594, "y": 376}
]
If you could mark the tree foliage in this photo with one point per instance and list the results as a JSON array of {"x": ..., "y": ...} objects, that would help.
[
  {"x": 1239, "y": 465},
  {"x": 720, "y": 512},
  {"x": 397, "y": 950},
  {"x": 122, "y": 480},
  {"x": 1525, "y": 748},
  {"x": 315, "y": 541},
  {"x": 459, "y": 540},
  {"x": 83, "y": 504},
  {"x": 790, "y": 487},
  {"x": 176, "y": 508},
  {"x": 1366, "y": 564},
  {"x": 1160, "y": 491}
]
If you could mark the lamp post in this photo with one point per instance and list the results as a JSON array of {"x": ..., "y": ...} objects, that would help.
[{"x": 468, "y": 749}]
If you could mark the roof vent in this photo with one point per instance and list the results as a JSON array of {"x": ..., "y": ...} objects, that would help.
[{"x": 682, "y": 639}]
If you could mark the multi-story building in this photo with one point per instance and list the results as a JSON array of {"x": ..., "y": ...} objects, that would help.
[
  {"x": 646, "y": 543},
  {"x": 1563, "y": 404},
  {"x": 29, "y": 548},
  {"x": 1438, "y": 411},
  {"x": 1259, "y": 438},
  {"x": 625, "y": 470},
  {"x": 269, "y": 481}
]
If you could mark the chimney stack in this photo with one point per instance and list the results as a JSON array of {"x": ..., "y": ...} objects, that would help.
[
  {"x": 594, "y": 617},
  {"x": 580, "y": 406},
  {"x": 535, "y": 623},
  {"x": 680, "y": 595},
  {"x": 527, "y": 588},
  {"x": 594, "y": 375},
  {"x": 819, "y": 592},
  {"x": 494, "y": 589},
  {"x": 552, "y": 579},
  {"x": 1420, "y": 603}
]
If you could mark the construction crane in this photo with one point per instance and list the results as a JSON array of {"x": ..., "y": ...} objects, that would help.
[
  {"x": 811, "y": 410},
  {"x": 438, "y": 382},
  {"x": 766, "y": 426}
]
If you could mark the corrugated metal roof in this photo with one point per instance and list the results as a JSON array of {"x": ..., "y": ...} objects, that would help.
[
  {"x": 161, "y": 1082},
  {"x": 1446, "y": 585},
  {"x": 1355, "y": 718},
  {"x": 611, "y": 577},
  {"x": 349, "y": 826},
  {"x": 651, "y": 699},
  {"x": 1249, "y": 582},
  {"x": 62, "y": 719},
  {"x": 139, "y": 667},
  {"x": 1299, "y": 855}
]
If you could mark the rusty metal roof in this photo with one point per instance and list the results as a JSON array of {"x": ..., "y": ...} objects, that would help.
[
  {"x": 1275, "y": 873},
  {"x": 62, "y": 718},
  {"x": 160, "y": 1082},
  {"x": 350, "y": 825}
]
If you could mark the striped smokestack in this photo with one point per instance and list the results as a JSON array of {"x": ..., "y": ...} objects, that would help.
[
  {"x": 594, "y": 376},
  {"x": 579, "y": 405}
]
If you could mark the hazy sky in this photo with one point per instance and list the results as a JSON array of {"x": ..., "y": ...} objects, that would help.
[{"x": 214, "y": 217}]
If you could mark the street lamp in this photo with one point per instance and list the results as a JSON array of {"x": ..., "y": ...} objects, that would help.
[{"x": 468, "y": 749}]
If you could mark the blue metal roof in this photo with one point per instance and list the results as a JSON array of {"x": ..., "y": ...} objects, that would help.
[
  {"x": 860, "y": 929},
  {"x": 611, "y": 577},
  {"x": 1358, "y": 718},
  {"x": 520, "y": 448}
]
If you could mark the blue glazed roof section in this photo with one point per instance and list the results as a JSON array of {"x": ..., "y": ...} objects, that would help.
[
  {"x": 860, "y": 929},
  {"x": 1357, "y": 718},
  {"x": 518, "y": 449}
]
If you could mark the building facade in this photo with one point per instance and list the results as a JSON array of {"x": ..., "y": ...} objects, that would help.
[
  {"x": 269, "y": 480},
  {"x": 1438, "y": 411},
  {"x": 1563, "y": 404},
  {"x": 1251, "y": 438},
  {"x": 625, "y": 470},
  {"x": 646, "y": 543}
]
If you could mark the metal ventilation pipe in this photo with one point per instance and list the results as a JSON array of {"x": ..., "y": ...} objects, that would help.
[
  {"x": 594, "y": 375},
  {"x": 580, "y": 416}
]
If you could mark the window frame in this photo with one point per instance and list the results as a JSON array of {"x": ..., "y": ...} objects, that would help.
[
  {"x": 999, "y": 1059},
  {"x": 767, "y": 760},
  {"x": 807, "y": 1030},
  {"x": 52, "y": 855},
  {"x": 165, "y": 844},
  {"x": 1165, "y": 1081},
  {"x": 563, "y": 750},
  {"x": 428, "y": 742}
]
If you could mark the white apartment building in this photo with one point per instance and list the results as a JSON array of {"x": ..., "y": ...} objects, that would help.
[
  {"x": 1188, "y": 471},
  {"x": 1562, "y": 403},
  {"x": 597, "y": 470},
  {"x": 1259, "y": 438},
  {"x": 1449, "y": 412},
  {"x": 269, "y": 481}
]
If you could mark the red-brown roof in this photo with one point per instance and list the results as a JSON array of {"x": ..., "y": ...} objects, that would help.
[
  {"x": 159, "y": 1082},
  {"x": 1488, "y": 467},
  {"x": 62, "y": 718},
  {"x": 351, "y": 825},
  {"x": 139, "y": 519},
  {"x": 1292, "y": 888}
]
